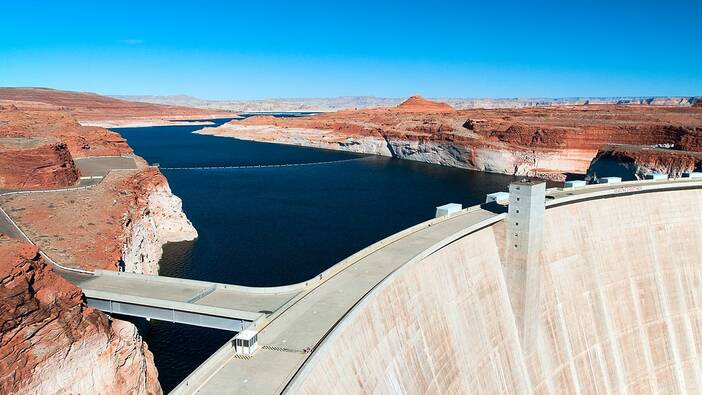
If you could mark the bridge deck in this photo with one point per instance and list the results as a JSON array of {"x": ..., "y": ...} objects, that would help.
[{"x": 189, "y": 296}]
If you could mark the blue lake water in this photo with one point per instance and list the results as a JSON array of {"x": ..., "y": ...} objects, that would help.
[{"x": 269, "y": 226}]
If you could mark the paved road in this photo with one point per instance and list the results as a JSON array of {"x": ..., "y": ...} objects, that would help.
[
  {"x": 8, "y": 229},
  {"x": 97, "y": 167},
  {"x": 171, "y": 292},
  {"x": 314, "y": 313},
  {"x": 100, "y": 166}
]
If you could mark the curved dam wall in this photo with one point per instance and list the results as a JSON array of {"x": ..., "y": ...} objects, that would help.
[{"x": 616, "y": 310}]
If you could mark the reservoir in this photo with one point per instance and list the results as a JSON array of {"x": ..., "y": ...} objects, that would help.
[{"x": 263, "y": 224}]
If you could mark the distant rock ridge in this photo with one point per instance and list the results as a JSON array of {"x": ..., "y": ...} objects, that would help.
[
  {"x": 326, "y": 104},
  {"x": 91, "y": 107},
  {"x": 420, "y": 104}
]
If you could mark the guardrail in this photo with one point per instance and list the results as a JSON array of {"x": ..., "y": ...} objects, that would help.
[
  {"x": 321, "y": 278},
  {"x": 561, "y": 196},
  {"x": 42, "y": 253},
  {"x": 67, "y": 189}
]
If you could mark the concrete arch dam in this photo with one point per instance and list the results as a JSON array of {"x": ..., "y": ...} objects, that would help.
[
  {"x": 610, "y": 304},
  {"x": 594, "y": 289}
]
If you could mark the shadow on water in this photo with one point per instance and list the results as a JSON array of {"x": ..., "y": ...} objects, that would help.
[{"x": 277, "y": 226}]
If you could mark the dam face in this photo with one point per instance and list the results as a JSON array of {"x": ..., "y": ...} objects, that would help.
[{"x": 616, "y": 310}]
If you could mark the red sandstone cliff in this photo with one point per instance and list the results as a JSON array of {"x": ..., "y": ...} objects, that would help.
[
  {"x": 129, "y": 215},
  {"x": 636, "y": 162},
  {"x": 39, "y": 120},
  {"x": 38, "y": 143},
  {"x": 33, "y": 163},
  {"x": 50, "y": 341},
  {"x": 547, "y": 142}
]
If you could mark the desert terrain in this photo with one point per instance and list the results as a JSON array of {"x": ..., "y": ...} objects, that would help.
[
  {"x": 548, "y": 142},
  {"x": 82, "y": 197},
  {"x": 96, "y": 110},
  {"x": 326, "y": 104}
]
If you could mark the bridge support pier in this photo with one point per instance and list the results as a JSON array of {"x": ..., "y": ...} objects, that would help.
[{"x": 525, "y": 229}]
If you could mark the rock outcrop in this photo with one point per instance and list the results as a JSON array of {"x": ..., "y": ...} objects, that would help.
[
  {"x": 636, "y": 162},
  {"x": 129, "y": 215},
  {"x": 50, "y": 341},
  {"x": 545, "y": 142},
  {"x": 156, "y": 220},
  {"x": 22, "y": 120},
  {"x": 420, "y": 104},
  {"x": 35, "y": 163}
]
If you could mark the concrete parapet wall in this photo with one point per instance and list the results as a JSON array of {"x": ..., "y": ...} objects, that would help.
[{"x": 618, "y": 312}]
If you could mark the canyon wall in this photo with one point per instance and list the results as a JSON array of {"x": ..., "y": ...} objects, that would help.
[
  {"x": 546, "y": 142},
  {"x": 635, "y": 163},
  {"x": 617, "y": 311},
  {"x": 51, "y": 342},
  {"x": 36, "y": 163},
  {"x": 130, "y": 215},
  {"x": 158, "y": 219}
]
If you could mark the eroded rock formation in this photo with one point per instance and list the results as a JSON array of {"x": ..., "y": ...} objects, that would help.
[
  {"x": 22, "y": 120},
  {"x": 546, "y": 142},
  {"x": 50, "y": 341},
  {"x": 129, "y": 215},
  {"x": 420, "y": 104},
  {"x": 35, "y": 163},
  {"x": 636, "y": 162}
]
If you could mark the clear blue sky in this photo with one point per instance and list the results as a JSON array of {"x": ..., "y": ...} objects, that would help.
[{"x": 262, "y": 49}]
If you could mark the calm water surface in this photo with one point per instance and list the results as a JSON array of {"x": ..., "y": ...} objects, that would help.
[{"x": 280, "y": 225}]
